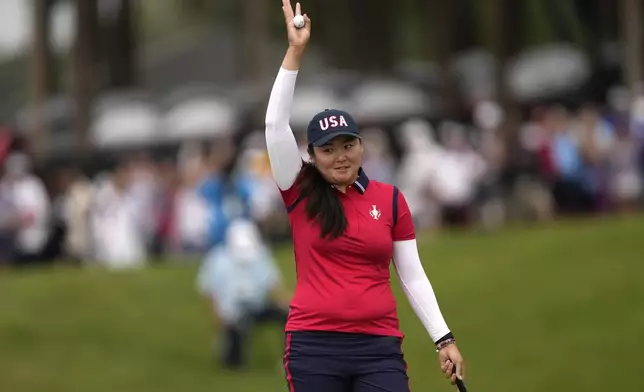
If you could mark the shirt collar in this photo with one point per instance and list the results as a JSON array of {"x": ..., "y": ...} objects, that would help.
[{"x": 362, "y": 182}]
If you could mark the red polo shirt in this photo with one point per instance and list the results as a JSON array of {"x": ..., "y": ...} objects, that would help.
[{"x": 343, "y": 284}]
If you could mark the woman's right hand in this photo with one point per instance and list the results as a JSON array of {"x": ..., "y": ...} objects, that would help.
[{"x": 297, "y": 38}]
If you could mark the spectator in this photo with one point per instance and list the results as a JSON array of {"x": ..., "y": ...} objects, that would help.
[
  {"x": 489, "y": 143},
  {"x": 144, "y": 188},
  {"x": 637, "y": 129},
  {"x": 119, "y": 241},
  {"x": 190, "y": 209},
  {"x": 458, "y": 177},
  {"x": 227, "y": 197},
  {"x": 265, "y": 200},
  {"x": 570, "y": 188},
  {"x": 164, "y": 238},
  {"x": 596, "y": 137},
  {"x": 422, "y": 155},
  {"x": 79, "y": 192},
  {"x": 9, "y": 223},
  {"x": 377, "y": 159},
  {"x": 241, "y": 281},
  {"x": 625, "y": 185},
  {"x": 31, "y": 200}
]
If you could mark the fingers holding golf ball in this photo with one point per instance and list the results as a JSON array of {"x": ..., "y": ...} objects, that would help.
[{"x": 298, "y": 26}]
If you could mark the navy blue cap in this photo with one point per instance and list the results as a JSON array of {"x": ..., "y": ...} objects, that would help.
[{"x": 328, "y": 124}]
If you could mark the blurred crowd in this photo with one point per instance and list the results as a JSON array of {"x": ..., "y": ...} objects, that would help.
[{"x": 587, "y": 159}]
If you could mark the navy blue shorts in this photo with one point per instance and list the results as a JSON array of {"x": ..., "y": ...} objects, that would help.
[{"x": 344, "y": 362}]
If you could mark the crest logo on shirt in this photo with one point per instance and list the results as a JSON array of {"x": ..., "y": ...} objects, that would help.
[{"x": 374, "y": 212}]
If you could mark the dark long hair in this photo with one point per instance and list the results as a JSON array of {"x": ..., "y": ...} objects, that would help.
[{"x": 323, "y": 204}]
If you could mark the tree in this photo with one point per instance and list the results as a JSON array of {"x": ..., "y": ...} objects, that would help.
[
  {"x": 375, "y": 33},
  {"x": 254, "y": 48},
  {"x": 440, "y": 24},
  {"x": 119, "y": 41},
  {"x": 335, "y": 32},
  {"x": 499, "y": 30},
  {"x": 632, "y": 41},
  {"x": 84, "y": 61},
  {"x": 43, "y": 72}
]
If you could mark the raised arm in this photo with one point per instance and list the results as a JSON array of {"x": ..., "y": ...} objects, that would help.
[{"x": 283, "y": 150}]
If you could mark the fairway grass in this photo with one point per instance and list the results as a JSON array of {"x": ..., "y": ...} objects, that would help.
[{"x": 557, "y": 308}]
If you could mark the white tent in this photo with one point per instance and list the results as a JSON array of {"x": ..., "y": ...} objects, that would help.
[
  {"x": 381, "y": 100},
  {"x": 200, "y": 117},
  {"x": 546, "y": 71},
  {"x": 125, "y": 124}
]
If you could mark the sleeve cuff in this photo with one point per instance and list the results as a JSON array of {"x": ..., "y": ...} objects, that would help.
[
  {"x": 444, "y": 338},
  {"x": 408, "y": 237},
  {"x": 288, "y": 71}
]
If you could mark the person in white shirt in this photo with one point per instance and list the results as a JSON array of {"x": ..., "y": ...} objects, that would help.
[
  {"x": 457, "y": 176},
  {"x": 417, "y": 171},
  {"x": 28, "y": 195},
  {"x": 119, "y": 239}
]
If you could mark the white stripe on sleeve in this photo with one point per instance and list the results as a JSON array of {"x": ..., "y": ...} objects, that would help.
[
  {"x": 418, "y": 289},
  {"x": 283, "y": 152}
]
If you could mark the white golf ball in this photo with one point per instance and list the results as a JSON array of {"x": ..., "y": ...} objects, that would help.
[{"x": 298, "y": 21}]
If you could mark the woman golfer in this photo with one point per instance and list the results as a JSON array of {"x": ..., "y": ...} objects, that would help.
[{"x": 342, "y": 332}]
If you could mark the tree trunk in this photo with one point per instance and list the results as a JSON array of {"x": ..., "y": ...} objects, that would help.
[
  {"x": 335, "y": 34},
  {"x": 254, "y": 49},
  {"x": 632, "y": 41},
  {"x": 608, "y": 19},
  {"x": 120, "y": 44},
  {"x": 375, "y": 34},
  {"x": 463, "y": 38},
  {"x": 509, "y": 39},
  {"x": 500, "y": 34},
  {"x": 357, "y": 34},
  {"x": 42, "y": 72},
  {"x": 492, "y": 36},
  {"x": 441, "y": 17},
  {"x": 84, "y": 75}
]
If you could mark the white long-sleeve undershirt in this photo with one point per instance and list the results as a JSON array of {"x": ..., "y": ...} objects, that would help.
[
  {"x": 286, "y": 163},
  {"x": 283, "y": 152},
  {"x": 418, "y": 289}
]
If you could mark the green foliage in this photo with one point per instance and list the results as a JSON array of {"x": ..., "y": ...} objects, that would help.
[
  {"x": 552, "y": 309},
  {"x": 538, "y": 28},
  {"x": 161, "y": 20}
]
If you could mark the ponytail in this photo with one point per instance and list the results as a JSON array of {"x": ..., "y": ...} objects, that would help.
[{"x": 323, "y": 204}]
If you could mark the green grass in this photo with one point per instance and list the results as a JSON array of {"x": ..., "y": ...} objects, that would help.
[{"x": 558, "y": 308}]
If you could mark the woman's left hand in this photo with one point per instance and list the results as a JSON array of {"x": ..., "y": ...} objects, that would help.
[{"x": 449, "y": 357}]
